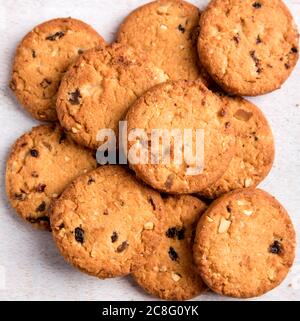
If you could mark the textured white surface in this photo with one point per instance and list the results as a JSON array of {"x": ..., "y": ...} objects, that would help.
[{"x": 30, "y": 265}]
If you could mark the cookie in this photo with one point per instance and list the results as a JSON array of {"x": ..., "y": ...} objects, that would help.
[
  {"x": 245, "y": 244},
  {"x": 43, "y": 57},
  {"x": 254, "y": 153},
  {"x": 167, "y": 31},
  {"x": 184, "y": 107},
  {"x": 106, "y": 222},
  {"x": 99, "y": 88},
  {"x": 41, "y": 164},
  {"x": 248, "y": 47},
  {"x": 169, "y": 273}
]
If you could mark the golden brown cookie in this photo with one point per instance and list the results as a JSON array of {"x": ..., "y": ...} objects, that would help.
[
  {"x": 169, "y": 273},
  {"x": 167, "y": 31},
  {"x": 254, "y": 152},
  {"x": 98, "y": 89},
  {"x": 245, "y": 244},
  {"x": 248, "y": 47},
  {"x": 41, "y": 164},
  {"x": 181, "y": 105},
  {"x": 106, "y": 222},
  {"x": 43, "y": 57}
]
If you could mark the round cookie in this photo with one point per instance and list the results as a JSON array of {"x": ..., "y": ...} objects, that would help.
[
  {"x": 167, "y": 31},
  {"x": 106, "y": 222},
  {"x": 98, "y": 89},
  {"x": 43, "y": 57},
  {"x": 169, "y": 273},
  {"x": 180, "y": 106},
  {"x": 245, "y": 244},
  {"x": 41, "y": 164},
  {"x": 254, "y": 152},
  {"x": 248, "y": 47}
]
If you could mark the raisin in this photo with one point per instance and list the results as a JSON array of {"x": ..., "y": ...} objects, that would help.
[
  {"x": 258, "y": 40},
  {"x": 105, "y": 212},
  {"x": 122, "y": 247},
  {"x": 34, "y": 153},
  {"x": 79, "y": 234},
  {"x": 180, "y": 234},
  {"x": 40, "y": 188},
  {"x": 33, "y": 53},
  {"x": 80, "y": 51},
  {"x": 20, "y": 196},
  {"x": 34, "y": 174},
  {"x": 45, "y": 83},
  {"x": 222, "y": 112},
  {"x": 237, "y": 38},
  {"x": 171, "y": 233},
  {"x": 90, "y": 181},
  {"x": 61, "y": 226},
  {"x": 275, "y": 248},
  {"x": 287, "y": 66},
  {"x": 41, "y": 207},
  {"x": 173, "y": 254},
  {"x": 35, "y": 220},
  {"x": 294, "y": 50},
  {"x": 256, "y": 5},
  {"x": 55, "y": 36},
  {"x": 257, "y": 61},
  {"x": 74, "y": 97},
  {"x": 152, "y": 203},
  {"x": 114, "y": 237},
  {"x": 181, "y": 28},
  {"x": 62, "y": 137},
  {"x": 227, "y": 124}
]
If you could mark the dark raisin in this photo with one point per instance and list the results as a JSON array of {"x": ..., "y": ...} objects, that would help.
[
  {"x": 79, "y": 234},
  {"x": 171, "y": 232},
  {"x": 275, "y": 248},
  {"x": 173, "y": 254},
  {"x": 80, "y": 51},
  {"x": 90, "y": 181},
  {"x": 258, "y": 40},
  {"x": 229, "y": 209},
  {"x": 287, "y": 66},
  {"x": 227, "y": 124},
  {"x": 222, "y": 112},
  {"x": 114, "y": 237},
  {"x": 74, "y": 97},
  {"x": 41, "y": 207},
  {"x": 20, "y": 196},
  {"x": 257, "y": 61},
  {"x": 237, "y": 38},
  {"x": 294, "y": 50},
  {"x": 180, "y": 234},
  {"x": 105, "y": 212},
  {"x": 33, "y": 53},
  {"x": 256, "y": 5},
  {"x": 55, "y": 36},
  {"x": 122, "y": 247},
  {"x": 45, "y": 83},
  {"x": 61, "y": 226},
  {"x": 181, "y": 28},
  {"x": 62, "y": 137},
  {"x": 40, "y": 188},
  {"x": 34, "y": 153},
  {"x": 152, "y": 203}
]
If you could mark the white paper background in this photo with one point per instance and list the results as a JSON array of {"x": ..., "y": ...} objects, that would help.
[{"x": 30, "y": 265}]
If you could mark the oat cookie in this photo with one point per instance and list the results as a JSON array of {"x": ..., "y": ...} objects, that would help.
[
  {"x": 105, "y": 222},
  {"x": 43, "y": 57},
  {"x": 181, "y": 105},
  {"x": 169, "y": 273},
  {"x": 41, "y": 164},
  {"x": 249, "y": 47},
  {"x": 99, "y": 88},
  {"x": 254, "y": 153},
  {"x": 167, "y": 31},
  {"x": 245, "y": 244}
]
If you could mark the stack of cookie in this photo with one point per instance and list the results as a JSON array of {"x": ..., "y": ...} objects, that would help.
[{"x": 165, "y": 71}]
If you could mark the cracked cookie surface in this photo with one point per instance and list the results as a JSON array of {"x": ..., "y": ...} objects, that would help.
[
  {"x": 170, "y": 273},
  {"x": 43, "y": 57},
  {"x": 180, "y": 106},
  {"x": 245, "y": 244},
  {"x": 167, "y": 31},
  {"x": 106, "y": 222},
  {"x": 254, "y": 152},
  {"x": 98, "y": 89},
  {"x": 248, "y": 47},
  {"x": 41, "y": 164}
]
